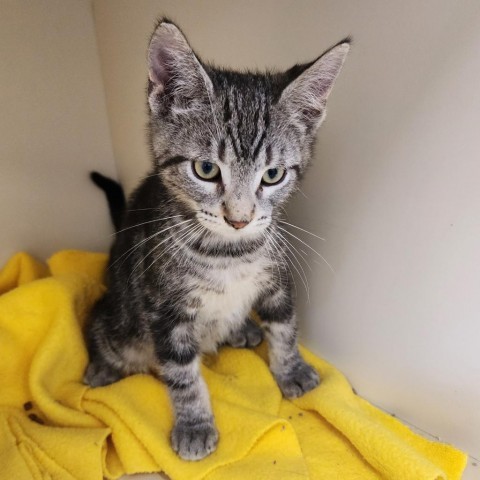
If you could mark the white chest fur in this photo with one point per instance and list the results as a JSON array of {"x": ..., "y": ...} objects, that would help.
[{"x": 228, "y": 304}]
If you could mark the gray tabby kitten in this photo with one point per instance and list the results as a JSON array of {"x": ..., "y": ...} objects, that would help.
[{"x": 199, "y": 246}]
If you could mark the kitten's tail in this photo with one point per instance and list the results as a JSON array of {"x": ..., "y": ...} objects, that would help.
[{"x": 115, "y": 197}]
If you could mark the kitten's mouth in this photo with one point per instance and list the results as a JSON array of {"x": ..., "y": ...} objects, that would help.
[{"x": 237, "y": 225}]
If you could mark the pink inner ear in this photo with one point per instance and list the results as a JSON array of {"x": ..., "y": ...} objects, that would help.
[
  {"x": 158, "y": 61},
  {"x": 322, "y": 85},
  {"x": 168, "y": 50}
]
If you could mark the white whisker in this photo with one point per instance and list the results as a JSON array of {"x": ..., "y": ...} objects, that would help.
[
  {"x": 302, "y": 254},
  {"x": 287, "y": 263},
  {"x": 145, "y": 223},
  {"x": 153, "y": 249},
  {"x": 189, "y": 229},
  {"x": 301, "y": 191},
  {"x": 145, "y": 240},
  {"x": 308, "y": 246},
  {"x": 266, "y": 235},
  {"x": 187, "y": 241},
  {"x": 142, "y": 209},
  {"x": 302, "y": 229},
  {"x": 303, "y": 275}
]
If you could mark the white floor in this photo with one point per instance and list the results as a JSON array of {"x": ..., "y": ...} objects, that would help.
[{"x": 472, "y": 472}]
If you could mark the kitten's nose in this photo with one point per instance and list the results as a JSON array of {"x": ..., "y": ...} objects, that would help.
[{"x": 236, "y": 225}]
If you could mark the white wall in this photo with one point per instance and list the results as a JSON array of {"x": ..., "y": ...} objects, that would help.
[
  {"x": 53, "y": 129},
  {"x": 396, "y": 194},
  {"x": 394, "y": 188}
]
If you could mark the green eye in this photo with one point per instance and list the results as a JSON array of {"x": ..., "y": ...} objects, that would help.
[
  {"x": 273, "y": 176},
  {"x": 206, "y": 170}
]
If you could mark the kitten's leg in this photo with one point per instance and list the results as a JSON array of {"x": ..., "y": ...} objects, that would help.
[
  {"x": 103, "y": 368},
  {"x": 194, "y": 435},
  {"x": 294, "y": 376},
  {"x": 249, "y": 335},
  {"x": 99, "y": 373}
]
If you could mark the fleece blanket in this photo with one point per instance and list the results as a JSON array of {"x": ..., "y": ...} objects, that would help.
[{"x": 54, "y": 427}]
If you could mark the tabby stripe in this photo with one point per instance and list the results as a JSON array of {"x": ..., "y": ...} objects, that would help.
[
  {"x": 174, "y": 161},
  {"x": 266, "y": 122},
  {"x": 255, "y": 121},
  {"x": 178, "y": 384},
  {"x": 227, "y": 114},
  {"x": 230, "y": 251},
  {"x": 239, "y": 129},
  {"x": 259, "y": 145},
  {"x": 266, "y": 118},
  {"x": 232, "y": 139},
  {"x": 268, "y": 153},
  {"x": 221, "y": 150}
]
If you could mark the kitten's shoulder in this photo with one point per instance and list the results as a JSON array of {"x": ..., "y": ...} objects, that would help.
[{"x": 150, "y": 193}]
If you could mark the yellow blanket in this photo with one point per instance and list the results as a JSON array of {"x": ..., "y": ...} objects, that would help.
[{"x": 54, "y": 427}]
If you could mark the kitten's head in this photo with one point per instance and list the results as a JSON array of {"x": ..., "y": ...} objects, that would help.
[{"x": 232, "y": 146}]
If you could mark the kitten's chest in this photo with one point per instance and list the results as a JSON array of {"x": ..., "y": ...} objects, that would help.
[{"x": 227, "y": 296}]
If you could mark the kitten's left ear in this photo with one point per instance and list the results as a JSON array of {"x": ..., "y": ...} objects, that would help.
[
  {"x": 305, "y": 97},
  {"x": 174, "y": 69}
]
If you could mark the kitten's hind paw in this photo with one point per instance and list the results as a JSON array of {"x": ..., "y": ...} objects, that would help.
[
  {"x": 194, "y": 442},
  {"x": 249, "y": 335},
  {"x": 298, "y": 380},
  {"x": 99, "y": 375}
]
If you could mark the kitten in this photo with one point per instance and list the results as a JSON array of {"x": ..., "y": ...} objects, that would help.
[{"x": 199, "y": 248}]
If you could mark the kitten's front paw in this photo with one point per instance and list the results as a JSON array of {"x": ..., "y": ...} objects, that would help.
[
  {"x": 299, "y": 380},
  {"x": 248, "y": 336},
  {"x": 194, "y": 442}
]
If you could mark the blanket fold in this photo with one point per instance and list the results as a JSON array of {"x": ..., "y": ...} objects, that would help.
[{"x": 53, "y": 426}]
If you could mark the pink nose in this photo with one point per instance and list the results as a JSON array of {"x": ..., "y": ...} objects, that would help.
[{"x": 236, "y": 225}]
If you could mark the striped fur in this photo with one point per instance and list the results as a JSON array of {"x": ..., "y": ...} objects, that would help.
[{"x": 183, "y": 276}]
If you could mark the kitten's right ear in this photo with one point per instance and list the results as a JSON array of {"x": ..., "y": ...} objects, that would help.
[
  {"x": 306, "y": 96},
  {"x": 173, "y": 67}
]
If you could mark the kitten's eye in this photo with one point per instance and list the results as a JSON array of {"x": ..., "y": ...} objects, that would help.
[
  {"x": 273, "y": 176},
  {"x": 206, "y": 170}
]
